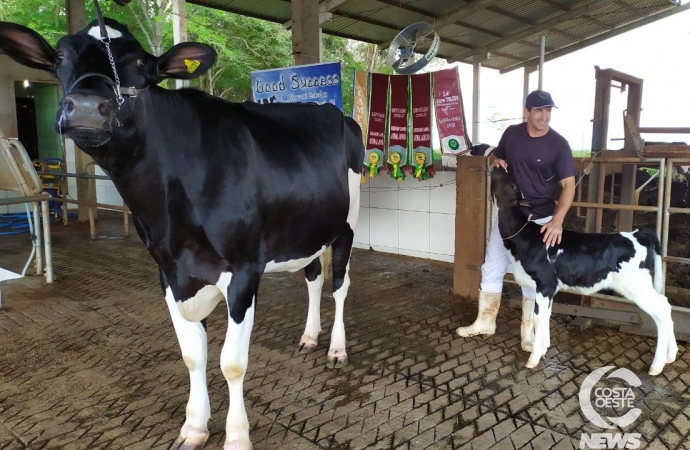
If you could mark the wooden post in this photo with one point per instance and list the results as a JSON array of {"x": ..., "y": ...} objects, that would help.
[
  {"x": 306, "y": 32},
  {"x": 86, "y": 188},
  {"x": 179, "y": 20},
  {"x": 470, "y": 227},
  {"x": 628, "y": 172}
]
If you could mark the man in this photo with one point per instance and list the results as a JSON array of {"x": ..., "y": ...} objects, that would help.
[{"x": 538, "y": 160}]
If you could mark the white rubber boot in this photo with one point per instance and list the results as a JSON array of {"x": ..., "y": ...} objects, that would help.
[
  {"x": 489, "y": 302},
  {"x": 527, "y": 326}
]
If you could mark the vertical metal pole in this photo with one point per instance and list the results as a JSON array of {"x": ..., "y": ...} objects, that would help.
[
  {"x": 525, "y": 83},
  {"x": 47, "y": 242},
  {"x": 38, "y": 240},
  {"x": 660, "y": 198},
  {"x": 667, "y": 204},
  {"x": 542, "y": 49},
  {"x": 126, "y": 224},
  {"x": 476, "y": 72}
]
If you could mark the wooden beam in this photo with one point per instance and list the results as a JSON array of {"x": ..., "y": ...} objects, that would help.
[
  {"x": 535, "y": 29},
  {"x": 324, "y": 8},
  {"x": 667, "y": 151}
]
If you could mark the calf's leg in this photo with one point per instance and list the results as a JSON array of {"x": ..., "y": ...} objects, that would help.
[
  {"x": 314, "y": 275},
  {"x": 658, "y": 308},
  {"x": 541, "y": 327}
]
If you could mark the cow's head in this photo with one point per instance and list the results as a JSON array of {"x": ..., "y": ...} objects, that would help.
[
  {"x": 90, "y": 112},
  {"x": 505, "y": 191}
]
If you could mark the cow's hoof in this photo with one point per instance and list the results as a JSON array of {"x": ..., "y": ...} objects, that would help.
[
  {"x": 237, "y": 445},
  {"x": 183, "y": 443},
  {"x": 654, "y": 371},
  {"x": 307, "y": 344},
  {"x": 336, "y": 359},
  {"x": 532, "y": 363},
  {"x": 671, "y": 358}
]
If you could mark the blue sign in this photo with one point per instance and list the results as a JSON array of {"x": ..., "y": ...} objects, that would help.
[{"x": 316, "y": 83}]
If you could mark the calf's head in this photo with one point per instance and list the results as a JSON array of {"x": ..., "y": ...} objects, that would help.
[
  {"x": 91, "y": 113},
  {"x": 503, "y": 190}
]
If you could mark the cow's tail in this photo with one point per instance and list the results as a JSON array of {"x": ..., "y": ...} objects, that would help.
[
  {"x": 326, "y": 262},
  {"x": 649, "y": 239}
]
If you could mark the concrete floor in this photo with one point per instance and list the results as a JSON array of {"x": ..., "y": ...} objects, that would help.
[{"x": 92, "y": 362}]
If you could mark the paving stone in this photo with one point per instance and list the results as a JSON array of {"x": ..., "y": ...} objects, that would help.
[{"x": 93, "y": 363}]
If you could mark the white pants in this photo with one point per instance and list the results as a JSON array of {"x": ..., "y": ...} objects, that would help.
[{"x": 497, "y": 261}]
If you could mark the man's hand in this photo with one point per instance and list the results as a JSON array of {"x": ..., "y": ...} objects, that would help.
[
  {"x": 499, "y": 162},
  {"x": 553, "y": 231}
]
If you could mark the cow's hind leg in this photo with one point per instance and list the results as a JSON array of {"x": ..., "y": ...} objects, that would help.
[
  {"x": 241, "y": 299},
  {"x": 342, "y": 248},
  {"x": 193, "y": 343},
  {"x": 658, "y": 308},
  {"x": 314, "y": 276}
]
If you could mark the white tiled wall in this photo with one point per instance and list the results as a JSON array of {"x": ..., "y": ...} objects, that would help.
[{"x": 410, "y": 217}]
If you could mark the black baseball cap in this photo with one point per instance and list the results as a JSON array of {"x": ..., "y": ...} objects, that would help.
[{"x": 539, "y": 99}]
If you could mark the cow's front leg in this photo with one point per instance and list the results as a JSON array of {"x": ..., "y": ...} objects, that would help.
[
  {"x": 241, "y": 299},
  {"x": 193, "y": 343},
  {"x": 342, "y": 248},
  {"x": 541, "y": 336},
  {"x": 314, "y": 275}
]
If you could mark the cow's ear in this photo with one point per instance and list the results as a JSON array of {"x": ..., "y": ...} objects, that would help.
[
  {"x": 186, "y": 60},
  {"x": 26, "y": 47}
]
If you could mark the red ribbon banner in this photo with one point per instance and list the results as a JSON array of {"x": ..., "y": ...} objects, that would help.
[
  {"x": 397, "y": 142},
  {"x": 421, "y": 118},
  {"x": 449, "y": 114},
  {"x": 373, "y": 156}
]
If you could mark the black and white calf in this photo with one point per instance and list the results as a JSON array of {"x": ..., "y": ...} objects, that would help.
[
  {"x": 586, "y": 263},
  {"x": 220, "y": 192}
]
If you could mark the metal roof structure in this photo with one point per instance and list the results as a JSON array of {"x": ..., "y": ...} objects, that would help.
[{"x": 502, "y": 34}]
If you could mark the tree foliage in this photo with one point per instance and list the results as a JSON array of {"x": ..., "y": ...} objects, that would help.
[{"x": 243, "y": 44}]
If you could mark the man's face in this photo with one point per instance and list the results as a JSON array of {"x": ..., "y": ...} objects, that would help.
[{"x": 539, "y": 118}]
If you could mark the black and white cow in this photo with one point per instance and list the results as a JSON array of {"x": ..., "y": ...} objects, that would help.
[
  {"x": 583, "y": 262},
  {"x": 219, "y": 192},
  {"x": 482, "y": 150}
]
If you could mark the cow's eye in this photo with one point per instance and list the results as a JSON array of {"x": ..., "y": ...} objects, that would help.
[
  {"x": 140, "y": 63},
  {"x": 58, "y": 58}
]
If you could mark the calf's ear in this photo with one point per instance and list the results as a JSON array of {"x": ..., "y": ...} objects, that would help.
[
  {"x": 186, "y": 60},
  {"x": 26, "y": 47}
]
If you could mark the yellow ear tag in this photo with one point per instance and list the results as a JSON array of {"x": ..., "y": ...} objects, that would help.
[{"x": 192, "y": 65}]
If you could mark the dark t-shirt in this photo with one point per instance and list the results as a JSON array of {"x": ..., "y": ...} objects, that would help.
[{"x": 536, "y": 165}]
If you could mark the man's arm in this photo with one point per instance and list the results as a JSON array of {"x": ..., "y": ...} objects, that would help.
[{"x": 553, "y": 229}]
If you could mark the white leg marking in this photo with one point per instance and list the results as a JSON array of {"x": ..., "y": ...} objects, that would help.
[
  {"x": 199, "y": 307},
  {"x": 233, "y": 362},
  {"x": 541, "y": 320},
  {"x": 336, "y": 353},
  {"x": 310, "y": 338},
  {"x": 192, "y": 339},
  {"x": 354, "y": 182}
]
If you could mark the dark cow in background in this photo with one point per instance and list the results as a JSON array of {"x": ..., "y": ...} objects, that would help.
[
  {"x": 585, "y": 263},
  {"x": 482, "y": 150},
  {"x": 219, "y": 192}
]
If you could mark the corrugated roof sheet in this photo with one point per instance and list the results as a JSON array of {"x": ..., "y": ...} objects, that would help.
[{"x": 379, "y": 21}]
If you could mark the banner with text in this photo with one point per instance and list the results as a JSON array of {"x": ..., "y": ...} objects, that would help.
[
  {"x": 317, "y": 83},
  {"x": 376, "y": 135},
  {"x": 360, "y": 102},
  {"x": 398, "y": 118},
  {"x": 449, "y": 113},
  {"x": 421, "y": 125}
]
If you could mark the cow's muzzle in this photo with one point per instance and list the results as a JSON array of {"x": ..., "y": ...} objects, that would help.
[{"x": 86, "y": 119}]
